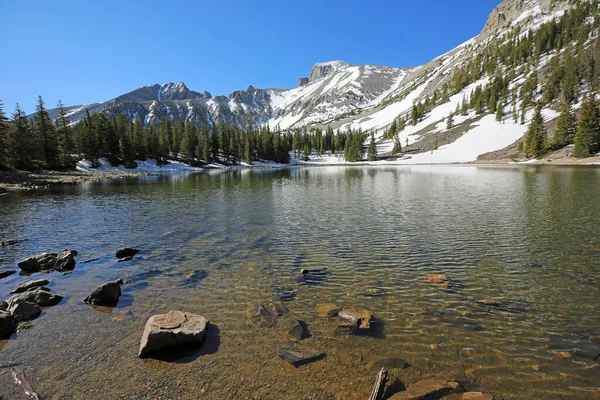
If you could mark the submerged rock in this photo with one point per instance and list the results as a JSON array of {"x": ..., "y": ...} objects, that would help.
[
  {"x": 89, "y": 261},
  {"x": 105, "y": 295},
  {"x": 23, "y": 287},
  {"x": 390, "y": 363},
  {"x": 8, "y": 324},
  {"x": 476, "y": 396},
  {"x": 442, "y": 281},
  {"x": 4, "y": 274},
  {"x": 261, "y": 316},
  {"x": 37, "y": 295},
  {"x": 327, "y": 310},
  {"x": 195, "y": 277},
  {"x": 354, "y": 319},
  {"x": 298, "y": 357},
  {"x": 173, "y": 328},
  {"x": 298, "y": 329},
  {"x": 126, "y": 252},
  {"x": 25, "y": 311},
  {"x": 432, "y": 388},
  {"x": 11, "y": 242},
  {"x": 312, "y": 276}
]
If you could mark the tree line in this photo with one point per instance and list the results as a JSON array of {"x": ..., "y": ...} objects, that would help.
[{"x": 36, "y": 142}]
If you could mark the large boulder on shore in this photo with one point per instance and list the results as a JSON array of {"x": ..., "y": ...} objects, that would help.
[
  {"x": 23, "y": 287},
  {"x": 173, "y": 328},
  {"x": 38, "y": 262},
  {"x": 8, "y": 324},
  {"x": 38, "y": 296},
  {"x": 64, "y": 261},
  {"x": 25, "y": 311},
  {"x": 105, "y": 295}
]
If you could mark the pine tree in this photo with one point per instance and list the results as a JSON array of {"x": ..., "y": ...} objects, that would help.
[
  {"x": 537, "y": 137},
  {"x": 450, "y": 121},
  {"x": 4, "y": 140},
  {"x": 45, "y": 133},
  {"x": 566, "y": 127},
  {"x": 65, "y": 137},
  {"x": 587, "y": 138},
  {"x": 500, "y": 112},
  {"x": 137, "y": 141},
  {"x": 189, "y": 142},
  {"x": 464, "y": 109},
  {"x": 372, "y": 149},
  {"x": 397, "y": 146},
  {"x": 23, "y": 146}
]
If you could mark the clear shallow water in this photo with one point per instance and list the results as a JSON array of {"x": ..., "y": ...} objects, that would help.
[{"x": 527, "y": 237}]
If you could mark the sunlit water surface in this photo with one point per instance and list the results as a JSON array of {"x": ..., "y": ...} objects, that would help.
[{"x": 526, "y": 237}]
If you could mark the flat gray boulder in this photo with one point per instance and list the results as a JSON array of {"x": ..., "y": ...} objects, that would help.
[
  {"x": 23, "y": 287},
  {"x": 38, "y": 296},
  {"x": 25, "y": 311},
  {"x": 173, "y": 328},
  {"x": 298, "y": 357},
  {"x": 8, "y": 324},
  {"x": 105, "y": 295}
]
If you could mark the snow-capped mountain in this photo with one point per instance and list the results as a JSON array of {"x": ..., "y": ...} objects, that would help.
[{"x": 338, "y": 94}]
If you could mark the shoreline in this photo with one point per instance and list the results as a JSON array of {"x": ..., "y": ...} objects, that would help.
[{"x": 19, "y": 181}]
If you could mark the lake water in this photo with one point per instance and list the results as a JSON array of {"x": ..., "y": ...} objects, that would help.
[{"x": 526, "y": 237}]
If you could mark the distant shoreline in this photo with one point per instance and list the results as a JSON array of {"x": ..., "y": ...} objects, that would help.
[{"x": 19, "y": 181}]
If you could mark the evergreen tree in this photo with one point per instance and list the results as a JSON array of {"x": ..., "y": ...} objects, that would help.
[
  {"x": 65, "y": 137},
  {"x": 87, "y": 140},
  {"x": 4, "y": 140},
  {"x": 137, "y": 140},
  {"x": 372, "y": 149},
  {"x": 450, "y": 121},
  {"x": 205, "y": 143},
  {"x": 537, "y": 137},
  {"x": 45, "y": 133},
  {"x": 587, "y": 138},
  {"x": 397, "y": 146},
  {"x": 464, "y": 109},
  {"x": 500, "y": 112},
  {"x": 566, "y": 127},
  {"x": 189, "y": 142},
  {"x": 23, "y": 146}
]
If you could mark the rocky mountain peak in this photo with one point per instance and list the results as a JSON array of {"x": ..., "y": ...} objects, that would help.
[
  {"x": 514, "y": 11},
  {"x": 302, "y": 82},
  {"x": 322, "y": 70}
]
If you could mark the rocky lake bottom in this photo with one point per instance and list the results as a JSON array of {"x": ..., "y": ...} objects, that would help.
[{"x": 483, "y": 275}]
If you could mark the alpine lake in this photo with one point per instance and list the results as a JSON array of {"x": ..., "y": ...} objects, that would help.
[{"x": 520, "y": 246}]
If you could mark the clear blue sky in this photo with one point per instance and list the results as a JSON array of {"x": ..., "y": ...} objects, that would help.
[{"x": 82, "y": 51}]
